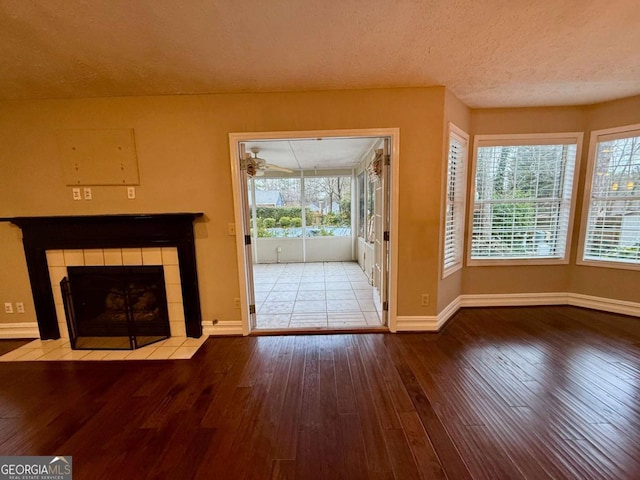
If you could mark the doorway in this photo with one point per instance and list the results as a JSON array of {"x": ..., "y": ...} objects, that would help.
[{"x": 314, "y": 215}]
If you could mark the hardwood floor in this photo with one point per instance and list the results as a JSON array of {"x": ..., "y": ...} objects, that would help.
[
  {"x": 8, "y": 345},
  {"x": 542, "y": 392}
]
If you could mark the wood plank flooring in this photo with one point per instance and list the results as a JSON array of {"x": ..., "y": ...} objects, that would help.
[
  {"x": 500, "y": 393},
  {"x": 8, "y": 345}
]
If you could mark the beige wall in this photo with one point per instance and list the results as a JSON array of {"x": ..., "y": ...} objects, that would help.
[
  {"x": 598, "y": 281},
  {"x": 459, "y": 114},
  {"x": 183, "y": 154},
  {"x": 520, "y": 279},
  {"x": 603, "y": 282}
]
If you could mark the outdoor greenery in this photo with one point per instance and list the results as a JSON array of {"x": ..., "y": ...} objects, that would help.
[
  {"x": 327, "y": 207},
  {"x": 521, "y": 192}
]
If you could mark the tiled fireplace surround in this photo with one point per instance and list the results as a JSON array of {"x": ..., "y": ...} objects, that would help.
[
  {"x": 54, "y": 243},
  {"x": 59, "y": 260}
]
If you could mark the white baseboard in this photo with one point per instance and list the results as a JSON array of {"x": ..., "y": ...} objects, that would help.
[
  {"x": 512, "y": 299},
  {"x": 605, "y": 304},
  {"x": 417, "y": 324},
  {"x": 233, "y": 327},
  {"x": 19, "y": 330},
  {"x": 435, "y": 323}
]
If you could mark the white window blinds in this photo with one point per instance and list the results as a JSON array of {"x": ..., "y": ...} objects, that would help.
[
  {"x": 523, "y": 198},
  {"x": 613, "y": 222},
  {"x": 455, "y": 200}
]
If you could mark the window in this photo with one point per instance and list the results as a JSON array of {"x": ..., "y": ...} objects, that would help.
[
  {"x": 612, "y": 232},
  {"x": 455, "y": 200},
  {"x": 328, "y": 206},
  {"x": 523, "y": 194},
  {"x": 361, "y": 212}
]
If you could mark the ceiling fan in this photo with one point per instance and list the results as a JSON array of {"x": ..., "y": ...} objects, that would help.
[{"x": 256, "y": 166}]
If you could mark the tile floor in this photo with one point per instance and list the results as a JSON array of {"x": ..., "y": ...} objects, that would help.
[
  {"x": 174, "y": 348},
  {"x": 313, "y": 295}
]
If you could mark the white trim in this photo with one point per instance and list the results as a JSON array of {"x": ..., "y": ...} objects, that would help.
[
  {"x": 428, "y": 323},
  {"x": 236, "y": 138},
  {"x": 417, "y": 324},
  {"x": 596, "y": 137},
  {"x": 605, "y": 304},
  {"x": 233, "y": 327},
  {"x": 524, "y": 139},
  {"x": 453, "y": 131},
  {"x": 435, "y": 323},
  {"x": 513, "y": 299},
  {"x": 19, "y": 330},
  {"x": 449, "y": 311}
]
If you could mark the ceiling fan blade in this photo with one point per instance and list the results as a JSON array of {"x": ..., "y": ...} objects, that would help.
[{"x": 276, "y": 168}]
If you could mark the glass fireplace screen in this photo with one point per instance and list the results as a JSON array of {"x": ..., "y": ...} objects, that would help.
[{"x": 115, "y": 307}]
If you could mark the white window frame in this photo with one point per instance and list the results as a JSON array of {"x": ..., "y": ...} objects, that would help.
[
  {"x": 459, "y": 202},
  {"x": 515, "y": 140},
  {"x": 596, "y": 137}
]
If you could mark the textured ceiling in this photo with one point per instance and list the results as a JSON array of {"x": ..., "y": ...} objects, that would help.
[{"x": 490, "y": 53}]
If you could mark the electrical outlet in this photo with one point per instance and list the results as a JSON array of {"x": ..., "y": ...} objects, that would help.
[
  {"x": 19, "y": 307},
  {"x": 279, "y": 249},
  {"x": 87, "y": 193},
  {"x": 8, "y": 307},
  {"x": 76, "y": 194},
  {"x": 236, "y": 302},
  {"x": 424, "y": 299},
  {"x": 231, "y": 228},
  {"x": 131, "y": 193}
]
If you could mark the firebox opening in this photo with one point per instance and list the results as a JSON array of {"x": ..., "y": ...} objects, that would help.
[{"x": 115, "y": 307}]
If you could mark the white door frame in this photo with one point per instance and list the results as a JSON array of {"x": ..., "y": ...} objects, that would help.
[{"x": 236, "y": 138}]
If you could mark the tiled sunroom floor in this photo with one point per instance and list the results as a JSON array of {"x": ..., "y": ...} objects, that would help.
[{"x": 330, "y": 295}]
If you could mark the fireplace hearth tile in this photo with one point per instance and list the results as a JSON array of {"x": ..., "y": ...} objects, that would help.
[
  {"x": 141, "y": 353},
  {"x": 117, "y": 355},
  {"x": 184, "y": 353},
  {"x": 96, "y": 355},
  {"x": 75, "y": 355},
  {"x": 60, "y": 350},
  {"x": 162, "y": 353},
  {"x": 171, "y": 342},
  {"x": 195, "y": 342}
]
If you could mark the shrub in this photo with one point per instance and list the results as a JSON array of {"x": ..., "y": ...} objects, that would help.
[
  {"x": 263, "y": 232},
  {"x": 285, "y": 222},
  {"x": 296, "y": 222},
  {"x": 269, "y": 222}
]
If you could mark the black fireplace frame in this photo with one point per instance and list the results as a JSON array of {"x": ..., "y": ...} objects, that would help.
[{"x": 40, "y": 234}]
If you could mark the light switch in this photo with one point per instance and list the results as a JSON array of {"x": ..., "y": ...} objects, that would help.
[
  {"x": 87, "y": 193},
  {"x": 76, "y": 194}
]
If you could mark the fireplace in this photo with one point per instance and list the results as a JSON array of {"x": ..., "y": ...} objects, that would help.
[
  {"x": 115, "y": 307},
  {"x": 127, "y": 231}
]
